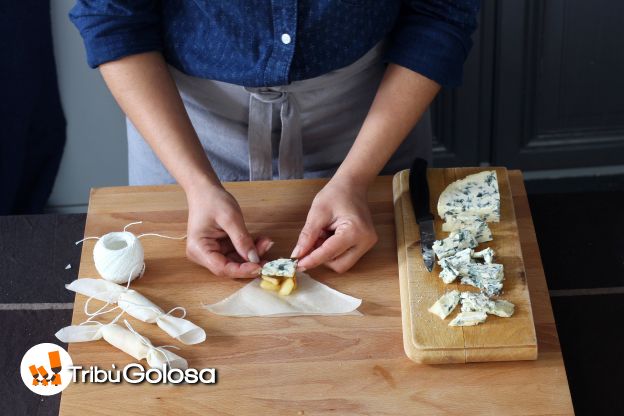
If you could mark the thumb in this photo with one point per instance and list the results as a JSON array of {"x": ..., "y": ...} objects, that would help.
[
  {"x": 315, "y": 223},
  {"x": 241, "y": 239}
]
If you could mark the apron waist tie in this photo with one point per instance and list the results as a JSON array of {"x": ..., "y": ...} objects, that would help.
[{"x": 290, "y": 156}]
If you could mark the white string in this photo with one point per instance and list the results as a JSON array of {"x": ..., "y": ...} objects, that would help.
[
  {"x": 156, "y": 309},
  {"x": 139, "y": 236},
  {"x": 176, "y": 308},
  {"x": 96, "y": 313},
  {"x": 86, "y": 238},
  {"x": 154, "y": 234},
  {"x": 163, "y": 236},
  {"x": 132, "y": 272},
  {"x": 93, "y": 321},
  {"x": 132, "y": 223}
]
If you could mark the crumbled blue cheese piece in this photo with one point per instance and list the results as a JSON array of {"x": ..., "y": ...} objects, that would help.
[
  {"x": 486, "y": 277},
  {"x": 468, "y": 319},
  {"x": 476, "y": 194},
  {"x": 475, "y": 302},
  {"x": 445, "y": 305},
  {"x": 280, "y": 268},
  {"x": 502, "y": 308},
  {"x": 478, "y": 302},
  {"x": 448, "y": 276},
  {"x": 473, "y": 223},
  {"x": 456, "y": 241},
  {"x": 452, "y": 265},
  {"x": 486, "y": 254}
]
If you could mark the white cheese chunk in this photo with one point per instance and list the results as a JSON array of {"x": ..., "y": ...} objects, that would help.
[
  {"x": 476, "y": 194},
  {"x": 473, "y": 223},
  {"x": 486, "y": 254},
  {"x": 280, "y": 268},
  {"x": 475, "y": 302},
  {"x": 445, "y": 305},
  {"x": 478, "y": 302},
  {"x": 486, "y": 277},
  {"x": 468, "y": 319},
  {"x": 456, "y": 241},
  {"x": 502, "y": 308},
  {"x": 452, "y": 265},
  {"x": 448, "y": 276}
]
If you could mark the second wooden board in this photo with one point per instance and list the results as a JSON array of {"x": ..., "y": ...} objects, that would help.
[{"x": 427, "y": 338}]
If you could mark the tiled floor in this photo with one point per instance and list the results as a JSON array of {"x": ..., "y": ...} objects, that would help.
[{"x": 577, "y": 224}]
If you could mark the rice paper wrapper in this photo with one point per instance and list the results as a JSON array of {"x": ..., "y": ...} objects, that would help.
[
  {"x": 79, "y": 333},
  {"x": 99, "y": 289},
  {"x": 310, "y": 298}
]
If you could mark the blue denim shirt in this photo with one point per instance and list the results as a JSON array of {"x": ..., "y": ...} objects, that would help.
[{"x": 267, "y": 43}]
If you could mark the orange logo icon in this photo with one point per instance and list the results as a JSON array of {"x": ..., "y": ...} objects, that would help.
[
  {"x": 55, "y": 366},
  {"x": 45, "y": 369}
]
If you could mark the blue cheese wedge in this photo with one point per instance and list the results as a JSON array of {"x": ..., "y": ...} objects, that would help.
[
  {"x": 445, "y": 305},
  {"x": 468, "y": 319},
  {"x": 476, "y": 194},
  {"x": 473, "y": 223},
  {"x": 280, "y": 268},
  {"x": 486, "y": 277},
  {"x": 456, "y": 241},
  {"x": 486, "y": 254}
]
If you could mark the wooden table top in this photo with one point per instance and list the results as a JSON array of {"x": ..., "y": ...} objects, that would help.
[{"x": 311, "y": 365}]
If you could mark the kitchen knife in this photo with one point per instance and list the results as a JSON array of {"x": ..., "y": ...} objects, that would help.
[{"x": 419, "y": 194}]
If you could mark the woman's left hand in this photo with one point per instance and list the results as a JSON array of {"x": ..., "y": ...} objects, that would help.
[{"x": 338, "y": 230}]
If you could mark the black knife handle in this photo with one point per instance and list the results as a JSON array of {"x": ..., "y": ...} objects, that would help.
[{"x": 419, "y": 190}]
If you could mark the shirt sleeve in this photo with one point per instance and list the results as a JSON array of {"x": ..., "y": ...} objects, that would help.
[
  {"x": 432, "y": 37},
  {"x": 112, "y": 29}
]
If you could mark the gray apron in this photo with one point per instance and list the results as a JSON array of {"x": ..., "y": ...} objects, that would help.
[{"x": 301, "y": 130}]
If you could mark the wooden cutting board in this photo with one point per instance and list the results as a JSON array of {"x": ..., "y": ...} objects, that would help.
[
  {"x": 306, "y": 365},
  {"x": 428, "y": 339}
]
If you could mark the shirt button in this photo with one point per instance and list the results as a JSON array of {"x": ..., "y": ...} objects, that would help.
[{"x": 286, "y": 38}]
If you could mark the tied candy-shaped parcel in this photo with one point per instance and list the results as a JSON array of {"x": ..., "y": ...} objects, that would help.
[
  {"x": 126, "y": 339},
  {"x": 139, "y": 307}
]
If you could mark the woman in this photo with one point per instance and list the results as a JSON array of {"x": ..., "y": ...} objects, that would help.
[{"x": 252, "y": 90}]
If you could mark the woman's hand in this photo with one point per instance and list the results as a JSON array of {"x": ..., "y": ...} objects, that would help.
[
  {"x": 338, "y": 230},
  {"x": 217, "y": 237}
]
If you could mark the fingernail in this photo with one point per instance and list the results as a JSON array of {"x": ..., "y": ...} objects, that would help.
[
  {"x": 257, "y": 272},
  {"x": 270, "y": 245},
  {"x": 295, "y": 252},
  {"x": 253, "y": 256}
]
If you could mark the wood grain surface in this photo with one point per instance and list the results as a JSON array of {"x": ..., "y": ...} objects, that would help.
[
  {"x": 428, "y": 339},
  {"x": 345, "y": 365}
]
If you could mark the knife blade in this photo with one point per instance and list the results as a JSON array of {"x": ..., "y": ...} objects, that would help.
[{"x": 419, "y": 194}]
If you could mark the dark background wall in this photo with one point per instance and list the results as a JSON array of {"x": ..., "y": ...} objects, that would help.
[{"x": 543, "y": 88}]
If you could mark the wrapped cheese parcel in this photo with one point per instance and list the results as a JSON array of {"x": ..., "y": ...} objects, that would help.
[
  {"x": 311, "y": 298},
  {"x": 139, "y": 307},
  {"x": 127, "y": 340}
]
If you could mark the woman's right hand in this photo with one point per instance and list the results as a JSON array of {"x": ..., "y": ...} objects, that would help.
[{"x": 217, "y": 237}]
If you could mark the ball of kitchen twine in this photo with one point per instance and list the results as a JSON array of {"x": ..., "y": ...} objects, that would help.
[{"x": 119, "y": 257}]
